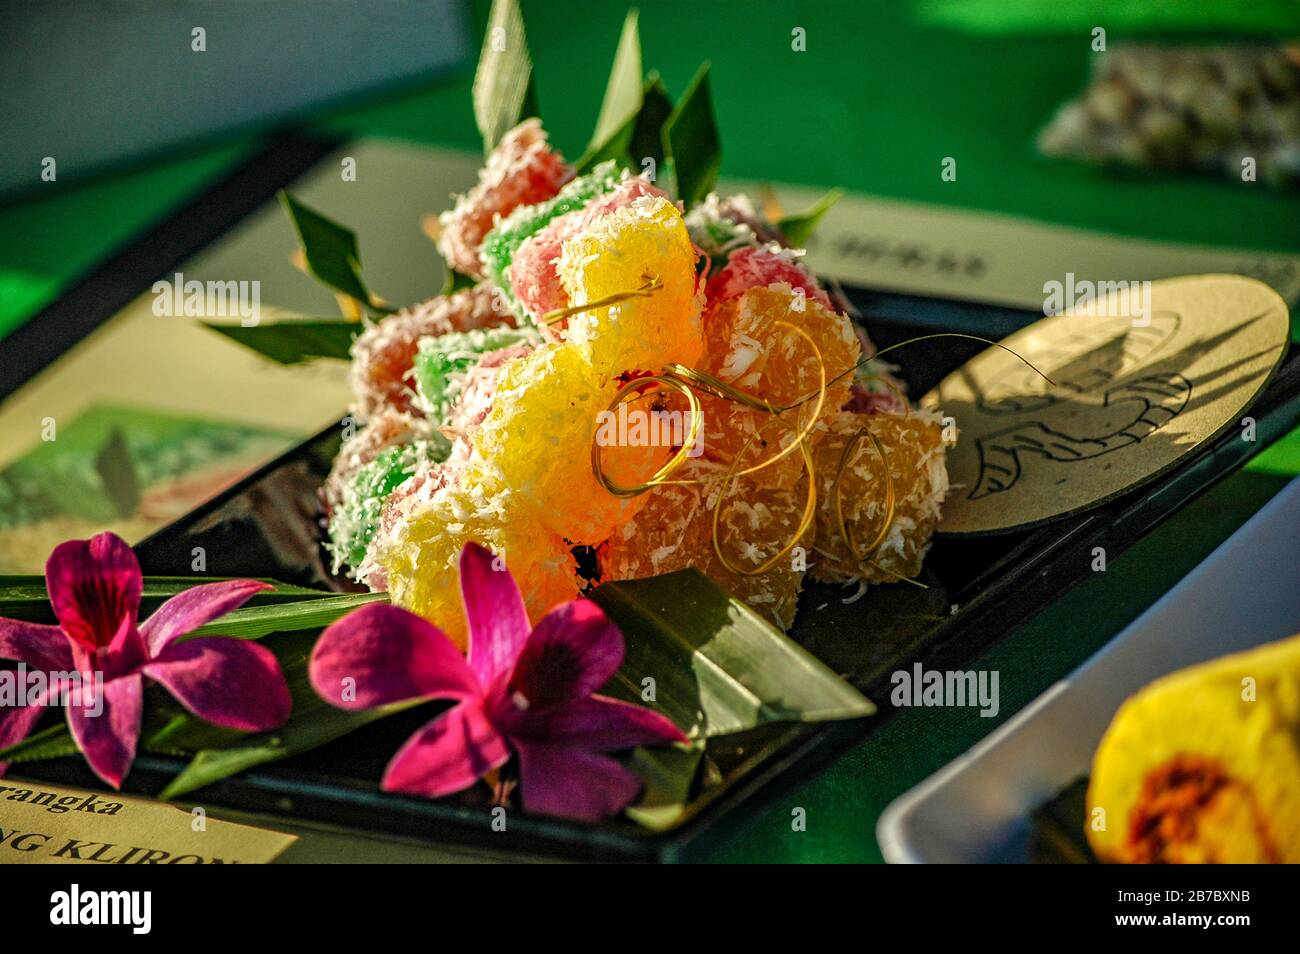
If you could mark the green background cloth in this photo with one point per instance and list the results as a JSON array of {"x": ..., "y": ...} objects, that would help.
[{"x": 875, "y": 104}]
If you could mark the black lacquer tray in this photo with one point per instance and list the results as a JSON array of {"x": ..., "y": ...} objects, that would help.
[{"x": 978, "y": 590}]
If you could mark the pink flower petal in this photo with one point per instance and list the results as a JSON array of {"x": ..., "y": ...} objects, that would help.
[
  {"x": 748, "y": 268},
  {"x": 123, "y": 656},
  {"x": 573, "y": 652},
  {"x": 190, "y": 609},
  {"x": 108, "y": 737},
  {"x": 494, "y": 609},
  {"x": 229, "y": 682},
  {"x": 381, "y": 654},
  {"x": 449, "y": 754},
  {"x": 597, "y": 723},
  {"x": 45, "y": 647},
  {"x": 93, "y": 584},
  {"x": 570, "y": 783}
]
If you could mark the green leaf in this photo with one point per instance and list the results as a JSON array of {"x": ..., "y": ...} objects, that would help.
[
  {"x": 666, "y": 777},
  {"x": 798, "y": 228},
  {"x": 623, "y": 90},
  {"x": 691, "y": 143},
  {"x": 253, "y": 622},
  {"x": 640, "y": 138},
  {"x": 217, "y": 752},
  {"x": 52, "y": 743},
  {"x": 648, "y": 132},
  {"x": 117, "y": 474},
  {"x": 24, "y": 597},
  {"x": 312, "y": 723},
  {"x": 173, "y": 731},
  {"x": 330, "y": 249},
  {"x": 503, "y": 84},
  {"x": 170, "y": 730},
  {"x": 717, "y": 666},
  {"x": 290, "y": 342}
]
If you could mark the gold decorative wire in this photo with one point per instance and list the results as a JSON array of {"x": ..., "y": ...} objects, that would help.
[
  {"x": 676, "y": 461},
  {"x": 859, "y": 554},
  {"x": 687, "y": 380},
  {"x": 651, "y": 284},
  {"x": 805, "y": 521},
  {"x": 902, "y": 344}
]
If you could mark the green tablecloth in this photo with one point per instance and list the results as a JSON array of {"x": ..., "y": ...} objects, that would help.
[{"x": 874, "y": 104}]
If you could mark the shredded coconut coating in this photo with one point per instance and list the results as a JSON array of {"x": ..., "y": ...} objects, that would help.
[
  {"x": 915, "y": 448},
  {"x": 387, "y": 429},
  {"x": 865, "y": 401},
  {"x": 533, "y": 449},
  {"x": 748, "y": 349},
  {"x": 748, "y": 268},
  {"x": 442, "y": 364},
  {"x": 522, "y": 419},
  {"x": 502, "y": 244},
  {"x": 522, "y": 170},
  {"x": 383, "y": 354},
  {"x": 619, "y": 253},
  {"x": 739, "y": 209},
  {"x": 716, "y": 235},
  {"x": 419, "y": 549},
  {"x": 533, "y": 276},
  {"x": 674, "y": 530},
  {"x": 477, "y": 391}
]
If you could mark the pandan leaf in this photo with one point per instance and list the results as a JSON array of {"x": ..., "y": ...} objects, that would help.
[
  {"x": 503, "y": 84},
  {"x": 52, "y": 743},
  {"x": 330, "y": 249},
  {"x": 623, "y": 90},
  {"x": 648, "y": 131},
  {"x": 640, "y": 137},
  {"x": 798, "y": 228},
  {"x": 692, "y": 146},
  {"x": 253, "y": 622},
  {"x": 666, "y": 777},
  {"x": 312, "y": 723},
  {"x": 292, "y": 342},
  {"x": 291, "y": 630},
  {"x": 24, "y": 597},
  {"x": 717, "y": 667}
]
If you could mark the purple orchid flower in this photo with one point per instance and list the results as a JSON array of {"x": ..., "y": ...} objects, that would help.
[
  {"x": 94, "y": 587},
  {"x": 523, "y": 689}
]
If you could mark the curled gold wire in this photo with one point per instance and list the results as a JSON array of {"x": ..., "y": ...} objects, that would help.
[
  {"x": 859, "y": 554},
  {"x": 652, "y": 284},
  {"x": 805, "y": 521},
  {"x": 901, "y": 344},
  {"x": 676, "y": 461},
  {"x": 687, "y": 380},
  {"x": 712, "y": 385},
  {"x": 862, "y": 554}
]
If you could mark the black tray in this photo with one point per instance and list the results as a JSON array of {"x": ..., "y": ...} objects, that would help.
[{"x": 978, "y": 590}]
